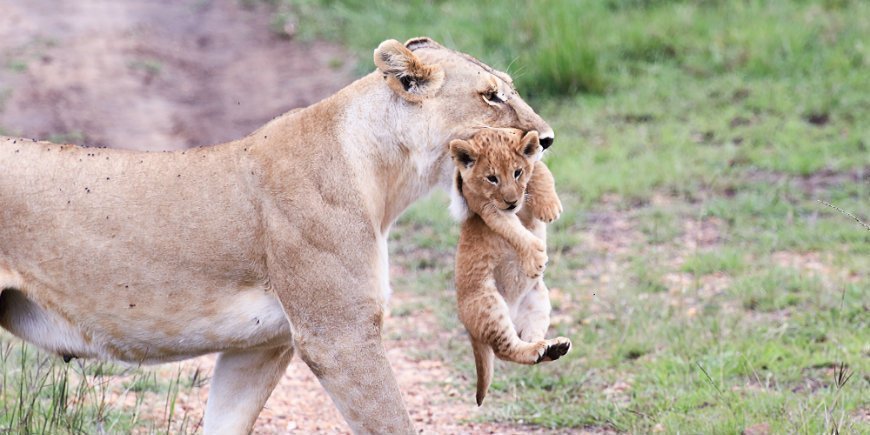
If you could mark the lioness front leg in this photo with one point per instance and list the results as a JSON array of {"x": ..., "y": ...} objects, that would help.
[
  {"x": 344, "y": 350},
  {"x": 531, "y": 249},
  {"x": 242, "y": 382}
]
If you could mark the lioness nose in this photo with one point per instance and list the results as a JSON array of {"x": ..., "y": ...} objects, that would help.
[{"x": 547, "y": 139}]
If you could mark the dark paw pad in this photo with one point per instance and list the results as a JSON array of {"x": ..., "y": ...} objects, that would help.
[{"x": 555, "y": 351}]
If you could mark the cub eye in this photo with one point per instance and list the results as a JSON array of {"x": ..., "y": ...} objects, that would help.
[
  {"x": 492, "y": 179},
  {"x": 492, "y": 97},
  {"x": 517, "y": 173}
]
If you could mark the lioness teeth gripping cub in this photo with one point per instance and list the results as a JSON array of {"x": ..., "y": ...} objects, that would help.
[{"x": 501, "y": 295}]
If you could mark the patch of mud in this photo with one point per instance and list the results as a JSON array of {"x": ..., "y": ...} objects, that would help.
[{"x": 153, "y": 75}]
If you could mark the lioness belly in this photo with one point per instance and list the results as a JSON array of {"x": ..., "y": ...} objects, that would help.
[
  {"x": 147, "y": 333},
  {"x": 141, "y": 257}
]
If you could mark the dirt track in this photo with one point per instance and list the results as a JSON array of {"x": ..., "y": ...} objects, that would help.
[{"x": 153, "y": 75}]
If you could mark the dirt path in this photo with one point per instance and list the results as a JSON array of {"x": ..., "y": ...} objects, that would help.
[{"x": 153, "y": 75}]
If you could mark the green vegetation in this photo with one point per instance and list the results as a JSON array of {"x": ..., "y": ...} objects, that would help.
[
  {"x": 39, "y": 393},
  {"x": 16, "y": 65},
  {"x": 147, "y": 66}
]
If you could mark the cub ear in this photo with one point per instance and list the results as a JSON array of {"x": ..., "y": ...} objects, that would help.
[
  {"x": 405, "y": 73},
  {"x": 530, "y": 144},
  {"x": 463, "y": 152}
]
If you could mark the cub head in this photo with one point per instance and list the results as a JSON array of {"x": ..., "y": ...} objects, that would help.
[
  {"x": 452, "y": 94},
  {"x": 494, "y": 168}
]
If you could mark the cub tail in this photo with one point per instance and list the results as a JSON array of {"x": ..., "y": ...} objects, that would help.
[{"x": 484, "y": 358}]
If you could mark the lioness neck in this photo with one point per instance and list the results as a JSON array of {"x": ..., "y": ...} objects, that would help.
[
  {"x": 400, "y": 155},
  {"x": 388, "y": 153}
]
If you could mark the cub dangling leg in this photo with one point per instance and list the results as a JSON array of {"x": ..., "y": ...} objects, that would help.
[{"x": 487, "y": 318}]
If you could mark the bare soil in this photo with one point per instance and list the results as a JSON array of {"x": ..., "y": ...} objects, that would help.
[{"x": 153, "y": 75}]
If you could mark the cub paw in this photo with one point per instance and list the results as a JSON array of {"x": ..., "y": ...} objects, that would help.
[
  {"x": 556, "y": 348},
  {"x": 547, "y": 210},
  {"x": 535, "y": 259}
]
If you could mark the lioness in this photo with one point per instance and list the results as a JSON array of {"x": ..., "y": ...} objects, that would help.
[
  {"x": 500, "y": 292},
  {"x": 254, "y": 248}
]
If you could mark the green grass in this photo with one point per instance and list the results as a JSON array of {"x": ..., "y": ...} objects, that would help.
[
  {"x": 16, "y": 65},
  {"x": 727, "y": 260},
  {"x": 39, "y": 393}
]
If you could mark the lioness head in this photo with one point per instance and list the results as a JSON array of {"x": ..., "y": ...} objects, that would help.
[
  {"x": 457, "y": 93},
  {"x": 494, "y": 167}
]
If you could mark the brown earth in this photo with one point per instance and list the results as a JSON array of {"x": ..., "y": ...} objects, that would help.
[
  {"x": 153, "y": 75},
  {"x": 162, "y": 75}
]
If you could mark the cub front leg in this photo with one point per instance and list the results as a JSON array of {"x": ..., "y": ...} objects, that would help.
[
  {"x": 541, "y": 197},
  {"x": 531, "y": 249}
]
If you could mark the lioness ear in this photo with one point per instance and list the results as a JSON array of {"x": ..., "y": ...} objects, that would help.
[
  {"x": 421, "y": 42},
  {"x": 530, "y": 144},
  {"x": 405, "y": 73},
  {"x": 463, "y": 152}
]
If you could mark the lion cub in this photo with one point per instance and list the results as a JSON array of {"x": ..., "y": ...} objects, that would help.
[{"x": 501, "y": 295}]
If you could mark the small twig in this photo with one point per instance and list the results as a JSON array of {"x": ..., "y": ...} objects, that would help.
[
  {"x": 867, "y": 227},
  {"x": 843, "y": 299},
  {"x": 842, "y": 375},
  {"x": 709, "y": 378}
]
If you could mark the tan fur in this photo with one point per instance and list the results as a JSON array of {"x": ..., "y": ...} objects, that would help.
[
  {"x": 501, "y": 295},
  {"x": 256, "y": 248}
]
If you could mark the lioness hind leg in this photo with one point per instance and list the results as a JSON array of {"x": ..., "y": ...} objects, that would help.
[{"x": 242, "y": 382}]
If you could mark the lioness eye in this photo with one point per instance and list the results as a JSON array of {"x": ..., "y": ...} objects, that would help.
[
  {"x": 492, "y": 179},
  {"x": 517, "y": 173},
  {"x": 493, "y": 97}
]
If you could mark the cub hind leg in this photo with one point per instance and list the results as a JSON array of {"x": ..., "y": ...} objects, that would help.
[
  {"x": 487, "y": 318},
  {"x": 532, "y": 319},
  {"x": 531, "y": 314}
]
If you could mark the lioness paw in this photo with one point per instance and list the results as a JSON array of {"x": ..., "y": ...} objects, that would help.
[
  {"x": 548, "y": 209},
  {"x": 556, "y": 348}
]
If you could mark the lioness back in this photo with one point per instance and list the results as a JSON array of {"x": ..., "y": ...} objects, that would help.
[{"x": 501, "y": 296}]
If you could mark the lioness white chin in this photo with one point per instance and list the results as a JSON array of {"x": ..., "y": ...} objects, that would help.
[{"x": 255, "y": 248}]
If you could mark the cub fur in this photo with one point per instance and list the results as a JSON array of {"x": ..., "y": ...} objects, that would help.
[{"x": 500, "y": 291}]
